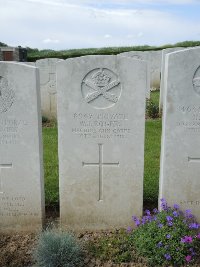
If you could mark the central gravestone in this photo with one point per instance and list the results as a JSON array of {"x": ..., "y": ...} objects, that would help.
[{"x": 101, "y": 111}]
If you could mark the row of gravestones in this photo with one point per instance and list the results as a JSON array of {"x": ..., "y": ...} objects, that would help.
[
  {"x": 101, "y": 111},
  {"x": 47, "y": 69}
]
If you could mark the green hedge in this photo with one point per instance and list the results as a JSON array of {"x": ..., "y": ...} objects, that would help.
[{"x": 35, "y": 54}]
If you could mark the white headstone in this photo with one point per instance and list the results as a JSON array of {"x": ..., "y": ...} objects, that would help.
[
  {"x": 180, "y": 155},
  {"x": 47, "y": 68},
  {"x": 21, "y": 163},
  {"x": 154, "y": 60},
  {"x": 101, "y": 114},
  {"x": 162, "y": 89}
]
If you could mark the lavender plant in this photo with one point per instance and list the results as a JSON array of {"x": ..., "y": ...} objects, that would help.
[{"x": 167, "y": 237}]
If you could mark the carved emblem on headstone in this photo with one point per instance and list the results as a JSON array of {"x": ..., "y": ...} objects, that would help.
[
  {"x": 7, "y": 95},
  {"x": 101, "y": 88},
  {"x": 196, "y": 81}
]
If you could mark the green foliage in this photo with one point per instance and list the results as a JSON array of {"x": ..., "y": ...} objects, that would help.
[
  {"x": 44, "y": 119},
  {"x": 155, "y": 96},
  {"x": 116, "y": 247},
  {"x": 35, "y": 54},
  {"x": 152, "y": 109},
  {"x": 64, "y": 54},
  {"x": 188, "y": 43},
  {"x": 2, "y": 44},
  {"x": 167, "y": 238},
  {"x": 58, "y": 249},
  {"x": 152, "y": 160}
]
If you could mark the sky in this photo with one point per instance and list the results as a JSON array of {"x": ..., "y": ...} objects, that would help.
[{"x": 72, "y": 24}]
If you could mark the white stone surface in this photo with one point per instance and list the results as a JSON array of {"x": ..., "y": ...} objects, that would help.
[
  {"x": 154, "y": 60},
  {"x": 29, "y": 63},
  {"x": 47, "y": 68},
  {"x": 162, "y": 89},
  {"x": 101, "y": 111},
  {"x": 180, "y": 154},
  {"x": 21, "y": 160}
]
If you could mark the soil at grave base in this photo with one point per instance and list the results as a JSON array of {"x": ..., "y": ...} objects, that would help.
[{"x": 16, "y": 251}]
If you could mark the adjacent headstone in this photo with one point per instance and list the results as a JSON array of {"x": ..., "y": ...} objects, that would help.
[
  {"x": 101, "y": 114},
  {"x": 21, "y": 167},
  {"x": 154, "y": 60},
  {"x": 162, "y": 89},
  {"x": 29, "y": 63},
  {"x": 47, "y": 68},
  {"x": 180, "y": 155}
]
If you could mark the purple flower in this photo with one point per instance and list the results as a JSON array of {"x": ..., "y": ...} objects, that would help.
[
  {"x": 194, "y": 226},
  {"x": 154, "y": 218},
  {"x": 192, "y": 251},
  {"x": 175, "y": 213},
  {"x": 155, "y": 211},
  {"x": 176, "y": 206},
  {"x": 160, "y": 225},
  {"x": 186, "y": 239},
  {"x": 137, "y": 223},
  {"x": 129, "y": 229},
  {"x": 198, "y": 236},
  {"x": 148, "y": 213},
  {"x": 163, "y": 204},
  {"x": 188, "y": 214},
  {"x": 136, "y": 220},
  {"x": 159, "y": 244},
  {"x": 170, "y": 223},
  {"x": 167, "y": 256},
  {"x": 168, "y": 236},
  {"x": 188, "y": 258},
  {"x": 169, "y": 218}
]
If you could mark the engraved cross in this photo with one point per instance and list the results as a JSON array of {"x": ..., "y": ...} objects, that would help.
[
  {"x": 193, "y": 159},
  {"x": 100, "y": 164},
  {"x": 3, "y": 166}
]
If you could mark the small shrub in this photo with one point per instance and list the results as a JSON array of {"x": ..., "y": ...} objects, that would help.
[
  {"x": 152, "y": 109},
  {"x": 168, "y": 237},
  {"x": 58, "y": 249},
  {"x": 44, "y": 119}
]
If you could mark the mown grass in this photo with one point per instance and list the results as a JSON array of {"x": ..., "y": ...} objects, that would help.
[
  {"x": 155, "y": 97},
  {"x": 50, "y": 144},
  {"x": 151, "y": 163}
]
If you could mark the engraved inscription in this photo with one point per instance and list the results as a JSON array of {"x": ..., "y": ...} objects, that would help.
[
  {"x": 7, "y": 95},
  {"x": 101, "y": 88},
  {"x": 3, "y": 166},
  {"x": 196, "y": 81},
  {"x": 14, "y": 206},
  {"x": 101, "y": 125},
  {"x": 189, "y": 118},
  {"x": 190, "y": 202},
  {"x": 11, "y": 131},
  {"x": 100, "y": 164}
]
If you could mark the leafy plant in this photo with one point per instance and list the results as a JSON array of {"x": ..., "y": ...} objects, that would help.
[
  {"x": 45, "y": 119},
  {"x": 152, "y": 109},
  {"x": 167, "y": 237},
  {"x": 58, "y": 249}
]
